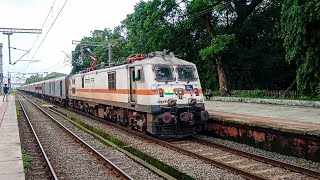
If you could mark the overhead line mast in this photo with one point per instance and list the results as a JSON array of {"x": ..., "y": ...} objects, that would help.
[{"x": 10, "y": 31}]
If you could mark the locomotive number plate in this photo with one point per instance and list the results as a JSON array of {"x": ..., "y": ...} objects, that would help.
[{"x": 189, "y": 87}]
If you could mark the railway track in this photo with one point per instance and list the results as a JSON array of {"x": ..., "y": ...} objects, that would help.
[
  {"x": 68, "y": 156},
  {"x": 40, "y": 166},
  {"x": 247, "y": 165}
]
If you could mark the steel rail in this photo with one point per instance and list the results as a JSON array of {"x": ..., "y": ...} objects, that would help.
[
  {"x": 108, "y": 163},
  {"x": 231, "y": 169},
  {"x": 39, "y": 143},
  {"x": 216, "y": 163},
  {"x": 273, "y": 162}
]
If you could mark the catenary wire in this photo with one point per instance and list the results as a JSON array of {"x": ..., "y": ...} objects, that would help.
[
  {"x": 50, "y": 10},
  {"x": 47, "y": 33},
  {"x": 50, "y": 28}
]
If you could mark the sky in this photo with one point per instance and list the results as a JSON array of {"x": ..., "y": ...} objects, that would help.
[{"x": 77, "y": 19}]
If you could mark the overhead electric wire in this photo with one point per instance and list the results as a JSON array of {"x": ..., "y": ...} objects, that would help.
[
  {"x": 58, "y": 63},
  {"x": 49, "y": 29},
  {"x": 44, "y": 22},
  {"x": 47, "y": 32},
  {"x": 41, "y": 28}
]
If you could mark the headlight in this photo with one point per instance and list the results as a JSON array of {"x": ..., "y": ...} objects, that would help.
[
  {"x": 167, "y": 117},
  {"x": 196, "y": 91}
]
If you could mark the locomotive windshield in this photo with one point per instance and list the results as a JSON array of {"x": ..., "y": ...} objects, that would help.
[
  {"x": 163, "y": 73},
  {"x": 186, "y": 73}
]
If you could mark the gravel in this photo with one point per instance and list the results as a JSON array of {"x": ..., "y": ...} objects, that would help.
[
  {"x": 130, "y": 167},
  {"x": 30, "y": 148},
  {"x": 191, "y": 166},
  {"x": 276, "y": 156},
  {"x": 197, "y": 168},
  {"x": 69, "y": 160}
]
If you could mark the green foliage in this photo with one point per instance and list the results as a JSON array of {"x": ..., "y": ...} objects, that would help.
[
  {"x": 258, "y": 93},
  {"x": 34, "y": 78},
  {"x": 220, "y": 44},
  {"x": 318, "y": 91},
  {"x": 26, "y": 159},
  {"x": 18, "y": 111},
  {"x": 301, "y": 34},
  {"x": 114, "y": 37},
  {"x": 37, "y": 78},
  {"x": 253, "y": 40}
]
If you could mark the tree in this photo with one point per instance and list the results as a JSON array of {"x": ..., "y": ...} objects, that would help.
[
  {"x": 300, "y": 24},
  {"x": 37, "y": 78},
  {"x": 235, "y": 44},
  {"x": 218, "y": 49},
  {"x": 54, "y": 75},
  {"x": 34, "y": 78},
  {"x": 226, "y": 18},
  {"x": 115, "y": 38},
  {"x": 152, "y": 26}
]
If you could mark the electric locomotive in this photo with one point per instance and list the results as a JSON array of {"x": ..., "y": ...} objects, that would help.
[{"x": 158, "y": 93}]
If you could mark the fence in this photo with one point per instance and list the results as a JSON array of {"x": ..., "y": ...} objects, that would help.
[{"x": 265, "y": 93}]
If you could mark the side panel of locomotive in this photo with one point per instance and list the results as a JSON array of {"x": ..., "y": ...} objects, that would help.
[{"x": 100, "y": 87}]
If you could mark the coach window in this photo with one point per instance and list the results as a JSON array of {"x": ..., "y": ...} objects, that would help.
[{"x": 112, "y": 81}]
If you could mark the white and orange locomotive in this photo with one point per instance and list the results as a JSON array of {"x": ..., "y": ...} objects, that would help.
[{"x": 158, "y": 93}]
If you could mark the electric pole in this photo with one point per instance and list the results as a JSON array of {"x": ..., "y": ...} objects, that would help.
[{"x": 10, "y": 31}]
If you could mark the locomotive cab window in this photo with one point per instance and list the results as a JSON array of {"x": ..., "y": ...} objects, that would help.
[
  {"x": 139, "y": 74},
  {"x": 186, "y": 73},
  {"x": 112, "y": 81},
  {"x": 138, "y": 77},
  {"x": 163, "y": 73}
]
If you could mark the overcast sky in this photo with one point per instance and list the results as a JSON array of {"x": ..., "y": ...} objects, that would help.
[{"x": 76, "y": 20}]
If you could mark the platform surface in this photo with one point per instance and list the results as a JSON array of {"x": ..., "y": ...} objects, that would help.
[
  {"x": 304, "y": 119},
  {"x": 11, "y": 165}
]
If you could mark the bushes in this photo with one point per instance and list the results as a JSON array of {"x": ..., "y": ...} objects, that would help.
[{"x": 271, "y": 94}]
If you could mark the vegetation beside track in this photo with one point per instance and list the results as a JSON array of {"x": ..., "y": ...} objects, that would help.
[
  {"x": 26, "y": 159},
  {"x": 117, "y": 143}
]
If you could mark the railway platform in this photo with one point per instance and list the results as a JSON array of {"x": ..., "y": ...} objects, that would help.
[
  {"x": 289, "y": 130},
  {"x": 305, "y": 120},
  {"x": 11, "y": 165}
]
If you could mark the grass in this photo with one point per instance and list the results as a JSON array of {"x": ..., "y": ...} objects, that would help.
[
  {"x": 261, "y": 94},
  {"x": 101, "y": 134},
  {"x": 18, "y": 112},
  {"x": 26, "y": 161}
]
